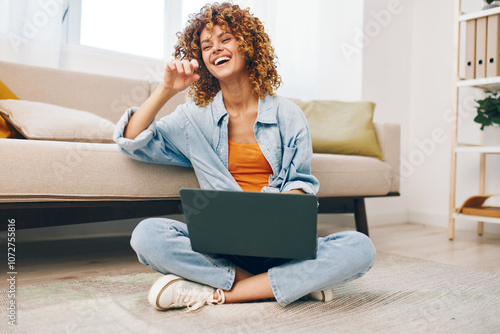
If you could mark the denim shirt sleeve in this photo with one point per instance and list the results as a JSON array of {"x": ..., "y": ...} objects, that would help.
[
  {"x": 297, "y": 153},
  {"x": 162, "y": 142},
  {"x": 299, "y": 173}
]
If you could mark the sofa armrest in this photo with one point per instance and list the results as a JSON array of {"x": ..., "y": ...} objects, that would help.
[{"x": 388, "y": 135}]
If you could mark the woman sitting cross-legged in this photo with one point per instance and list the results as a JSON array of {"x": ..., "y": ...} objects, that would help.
[{"x": 237, "y": 135}]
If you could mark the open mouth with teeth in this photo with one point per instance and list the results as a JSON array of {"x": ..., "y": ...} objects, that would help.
[{"x": 221, "y": 60}]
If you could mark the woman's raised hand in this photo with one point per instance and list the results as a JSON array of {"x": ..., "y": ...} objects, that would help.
[{"x": 180, "y": 74}]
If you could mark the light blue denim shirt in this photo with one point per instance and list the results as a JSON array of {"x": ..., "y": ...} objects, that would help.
[{"x": 197, "y": 137}]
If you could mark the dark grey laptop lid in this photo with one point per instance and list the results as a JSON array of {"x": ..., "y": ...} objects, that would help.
[{"x": 251, "y": 223}]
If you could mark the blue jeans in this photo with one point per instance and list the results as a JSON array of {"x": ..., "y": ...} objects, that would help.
[{"x": 164, "y": 245}]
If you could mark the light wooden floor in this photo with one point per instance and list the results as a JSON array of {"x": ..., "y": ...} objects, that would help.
[{"x": 60, "y": 260}]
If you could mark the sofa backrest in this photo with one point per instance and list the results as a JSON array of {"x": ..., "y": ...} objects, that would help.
[{"x": 105, "y": 96}]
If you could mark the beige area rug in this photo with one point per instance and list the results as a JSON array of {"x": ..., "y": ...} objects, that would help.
[{"x": 399, "y": 295}]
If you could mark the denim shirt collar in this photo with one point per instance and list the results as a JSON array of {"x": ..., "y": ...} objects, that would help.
[
  {"x": 266, "y": 114},
  {"x": 219, "y": 109}
]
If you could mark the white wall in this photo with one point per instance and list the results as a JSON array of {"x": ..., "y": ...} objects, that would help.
[
  {"x": 307, "y": 39},
  {"x": 386, "y": 81},
  {"x": 431, "y": 98}
]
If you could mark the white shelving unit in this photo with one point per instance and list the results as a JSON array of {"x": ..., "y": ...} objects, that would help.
[
  {"x": 478, "y": 149},
  {"x": 477, "y": 218},
  {"x": 476, "y": 15},
  {"x": 486, "y": 84},
  {"x": 492, "y": 84}
]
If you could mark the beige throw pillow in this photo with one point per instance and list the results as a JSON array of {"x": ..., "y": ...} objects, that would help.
[
  {"x": 342, "y": 127},
  {"x": 42, "y": 121}
]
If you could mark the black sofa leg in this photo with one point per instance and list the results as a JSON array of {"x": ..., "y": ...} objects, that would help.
[{"x": 360, "y": 215}]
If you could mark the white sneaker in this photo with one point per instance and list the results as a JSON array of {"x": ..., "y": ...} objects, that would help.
[
  {"x": 322, "y": 296},
  {"x": 171, "y": 291}
]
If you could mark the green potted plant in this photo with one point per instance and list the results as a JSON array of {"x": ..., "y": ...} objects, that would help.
[{"x": 488, "y": 111}]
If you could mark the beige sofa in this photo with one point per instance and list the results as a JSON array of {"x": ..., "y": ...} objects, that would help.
[{"x": 48, "y": 183}]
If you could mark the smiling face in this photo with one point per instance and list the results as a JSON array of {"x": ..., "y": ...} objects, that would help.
[
  {"x": 221, "y": 54},
  {"x": 250, "y": 53}
]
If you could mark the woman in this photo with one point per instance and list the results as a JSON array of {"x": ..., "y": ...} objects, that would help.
[{"x": 237, "y": 135}]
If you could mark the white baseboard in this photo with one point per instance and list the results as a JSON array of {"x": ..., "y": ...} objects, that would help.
[{"x": 391, "y": 218}]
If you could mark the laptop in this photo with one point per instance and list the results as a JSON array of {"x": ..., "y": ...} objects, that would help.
[{"x": 251, "y": 223}]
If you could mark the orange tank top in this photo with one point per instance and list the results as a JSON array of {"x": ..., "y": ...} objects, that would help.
[{"x": 248, "y": 166}]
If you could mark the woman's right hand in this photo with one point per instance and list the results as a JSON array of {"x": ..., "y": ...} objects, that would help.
[{"x": 180, "y": 74}]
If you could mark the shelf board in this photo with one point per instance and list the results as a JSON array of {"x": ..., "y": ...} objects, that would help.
[
  {"x": 491, "y": 83},
  {"x": 478, "y": 149},
  {"x": 479, "y": 14},
  {"x": 477, "y": 218}
]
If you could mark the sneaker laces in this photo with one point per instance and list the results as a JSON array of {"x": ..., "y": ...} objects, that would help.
[{"x": 194, "y": 299}]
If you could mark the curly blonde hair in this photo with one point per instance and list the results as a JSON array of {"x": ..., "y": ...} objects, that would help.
[{"x": 254, "y": 44}]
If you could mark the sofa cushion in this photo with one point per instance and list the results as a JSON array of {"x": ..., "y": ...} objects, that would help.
[
  {"x": 61, "y": 171},
  {"x": 95, "y": 171},
  {"x": 42, "y": 121},
  {"x": 346, "y": 175},
  {"x": 342, "y": 127}
]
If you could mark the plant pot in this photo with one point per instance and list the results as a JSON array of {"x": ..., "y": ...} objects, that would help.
[
  {"x": 492, "y": 135},
  {"x": 492, "y": 5}
]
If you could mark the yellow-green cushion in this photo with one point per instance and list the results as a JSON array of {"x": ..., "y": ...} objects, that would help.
[
  {"x": 342, "y": 127},
  {"x": 6, "y": 131}
]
